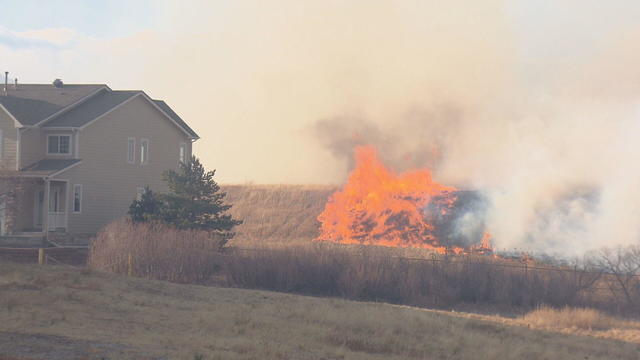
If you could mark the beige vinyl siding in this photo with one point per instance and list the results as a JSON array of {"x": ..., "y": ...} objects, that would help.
[
  {"x": 26, "y": 211},
  {"x": 72, "y": 144},
  {"x": 32, "y": 146},
  {"x": 9, "y": 142},
  {"x": 109, "y": 182}
]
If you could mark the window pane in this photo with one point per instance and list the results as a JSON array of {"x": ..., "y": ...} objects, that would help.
[
  {"x": 64, "y": 144},
  {"x": 54, "y": 196},
  {"x": 144, "y": 151},
  {"x": 139, "y": 192},
  {"x": 77, "y": 198},
  {"x": 131, "y": 151},
  {"x": 182, "y": 152},
  {"x": 53, "y": 144}
]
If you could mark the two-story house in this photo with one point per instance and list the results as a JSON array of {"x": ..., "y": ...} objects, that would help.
[{"x": 81, "y": 154}]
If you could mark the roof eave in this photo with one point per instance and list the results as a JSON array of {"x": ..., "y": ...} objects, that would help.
[
  {"x": 189, "y": 135},
  {"x": 65, "y": 169},
  {"x": 50, "y": 174},
  {"x": 17, "y": 123},
  {"x": 71, "y": 106}
]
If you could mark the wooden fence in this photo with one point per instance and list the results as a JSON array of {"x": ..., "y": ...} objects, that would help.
[{"x": 75, "y": 256}]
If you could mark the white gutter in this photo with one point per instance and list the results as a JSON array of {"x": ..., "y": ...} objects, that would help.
[{"x": 18, "y": 147}]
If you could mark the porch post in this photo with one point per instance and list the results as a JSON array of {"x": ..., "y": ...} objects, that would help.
[
  {"x": 45, "y": 208},
  {"x": 67, "y": 206}
]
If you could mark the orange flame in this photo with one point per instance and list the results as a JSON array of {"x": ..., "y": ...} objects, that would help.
[{"x": 379, "y": 207}]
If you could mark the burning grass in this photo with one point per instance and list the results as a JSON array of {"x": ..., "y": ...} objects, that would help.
[
  {"x": 380, "y": 207},
  {"x": 375, "y": 207}
]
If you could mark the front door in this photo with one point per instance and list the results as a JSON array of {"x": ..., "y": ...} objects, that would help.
[{"x": 54, "y": 200}]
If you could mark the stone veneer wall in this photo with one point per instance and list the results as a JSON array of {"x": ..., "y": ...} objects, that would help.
[{"x": 14, "y": 192}]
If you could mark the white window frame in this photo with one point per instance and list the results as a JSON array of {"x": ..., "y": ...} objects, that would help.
[
  {"x": 144, "y": 157},
  {"x": 49, "y": 136},
  {"x": 131, "y": 150},
  {"x": 1, "y": 144},
  {"x": 140, "y": 190},
  {"x": 73, "y": 202},
  {"x": 182, "y": 155}
]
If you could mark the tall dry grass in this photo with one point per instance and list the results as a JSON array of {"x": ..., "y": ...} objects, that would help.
[
  {"x": 158, "y": 251},
  {"x": 567, "y": 318},
  {"x": 376, "y": 274},
  {"x": 276, "y": 215}
]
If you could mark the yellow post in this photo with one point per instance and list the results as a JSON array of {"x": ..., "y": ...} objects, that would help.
[
  {"x": 130, "y": 265},
  {"x": 41, "y": 258}
]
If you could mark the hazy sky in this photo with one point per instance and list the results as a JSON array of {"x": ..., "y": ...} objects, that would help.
[
  {"x": 252, "y": 77},
  {"x": 534, "y": 103}
]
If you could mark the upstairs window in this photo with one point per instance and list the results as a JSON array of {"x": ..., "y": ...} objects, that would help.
[
  {"x": 1, "y": 144},
  {"x": 183, "y": 153},
  {"x": 131, "y": 150},
  {"x": 144, "y": 151},
  {"x": 59, "y": 144}
]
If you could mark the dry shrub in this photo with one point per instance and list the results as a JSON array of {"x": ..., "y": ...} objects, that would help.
[
  {"x": 378, "y": 274},
  {"x": 568, "y": 318},
  {"x": 156, "y": 251}
]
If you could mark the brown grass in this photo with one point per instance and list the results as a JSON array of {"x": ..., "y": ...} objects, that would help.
[
  {"x": 156, "y": 251},
  {"x": 380, "y": 274},
  {"x": 144, "y": 319},
  {"x": 276, "y": 215},
  {"x": 567, "y": 318},
  {"x": 364, "y": 273}
]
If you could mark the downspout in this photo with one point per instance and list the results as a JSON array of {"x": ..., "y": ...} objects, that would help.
[
  {"x": 76, "y": 145},
  {"x": 192, "y": 140},
  {"x": 18, "y": 148},
  {"x": 45, "y": 208}
]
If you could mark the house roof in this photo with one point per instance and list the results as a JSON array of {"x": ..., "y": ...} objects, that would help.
[
  {"x": 163, "y": 105},
  {"x": 102, "y": 103},
  {"x": 49, "y": 166},
  {"x": 91, "y": 109},
  {"x": 71, "y": 106},
  {"x": 32, "y": 103}
]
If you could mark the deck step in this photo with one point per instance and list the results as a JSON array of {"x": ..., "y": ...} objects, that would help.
[{"x": 28, "y": 234}]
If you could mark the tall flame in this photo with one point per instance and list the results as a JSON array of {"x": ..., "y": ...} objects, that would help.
[{"x": 378, "y": 207}]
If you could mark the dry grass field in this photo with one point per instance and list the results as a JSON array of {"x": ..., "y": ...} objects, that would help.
[
  {"x": 56, "y": 312},
  {"x": 276, "y": 215}
]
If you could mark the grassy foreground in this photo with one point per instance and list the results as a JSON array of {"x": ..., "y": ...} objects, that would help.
[{"x": 60, "y": 313}]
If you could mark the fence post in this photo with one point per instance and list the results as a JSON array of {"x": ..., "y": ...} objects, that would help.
[
  {"x": 130, "y": 265},
  {"x": 41, "y": 258}
]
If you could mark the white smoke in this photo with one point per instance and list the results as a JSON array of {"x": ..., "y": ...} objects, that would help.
[{"x": 560, "y": 175}]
